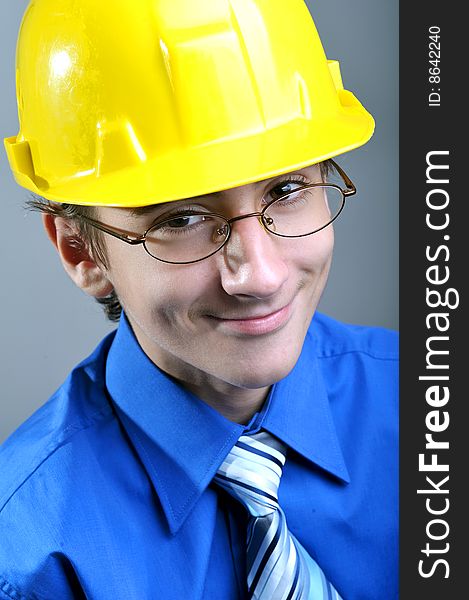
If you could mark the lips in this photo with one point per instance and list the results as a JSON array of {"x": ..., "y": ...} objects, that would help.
[{"x": 257, "y": 325}]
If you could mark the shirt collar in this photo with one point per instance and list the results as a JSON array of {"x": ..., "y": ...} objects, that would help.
[
  {"x": 182, "y": 441},
  {"x": 299, "y": 414}
]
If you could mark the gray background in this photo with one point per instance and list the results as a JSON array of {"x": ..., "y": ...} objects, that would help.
[{"x": 47, "y": 325}]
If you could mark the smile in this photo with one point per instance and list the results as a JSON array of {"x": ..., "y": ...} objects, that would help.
[{"x": 258, "y": 325}]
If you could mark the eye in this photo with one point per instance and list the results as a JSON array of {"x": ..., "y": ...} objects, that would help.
[
  {"x": 181, "y": 224},
  {"x": 287, "y": 186},
  {"x": 181, "y": 217},
  {"x": 184, "y": 220}
]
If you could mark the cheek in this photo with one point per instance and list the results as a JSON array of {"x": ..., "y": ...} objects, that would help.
[
  {"x": 131, "y": 272},
  {"x": 314, "y": 253},
  {"x": 154, "y": 292}
]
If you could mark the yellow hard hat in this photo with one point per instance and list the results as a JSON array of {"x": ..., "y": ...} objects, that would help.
[{"x": 136, "y": 102}]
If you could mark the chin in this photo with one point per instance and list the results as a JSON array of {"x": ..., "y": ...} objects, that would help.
[
  {"x": 258, "y": 374},
  {"x": 266, "y": 363}
]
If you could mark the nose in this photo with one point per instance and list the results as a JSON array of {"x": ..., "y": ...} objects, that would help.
[{"x": 251, "y": 262}]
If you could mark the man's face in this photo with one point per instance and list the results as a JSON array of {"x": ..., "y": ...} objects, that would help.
[{"x": 237, "y": 318}]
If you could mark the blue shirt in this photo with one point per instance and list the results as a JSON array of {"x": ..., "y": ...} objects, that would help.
[{"x": 106, "y": 493}]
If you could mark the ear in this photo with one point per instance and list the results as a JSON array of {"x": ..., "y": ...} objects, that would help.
[{"x": 76, "y": 259}]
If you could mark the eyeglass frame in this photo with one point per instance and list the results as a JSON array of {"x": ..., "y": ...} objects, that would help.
[{"x": 349, "y": 190}]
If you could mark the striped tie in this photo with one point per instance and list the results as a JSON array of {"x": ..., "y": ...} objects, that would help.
[{"x": 278, "y": 566}]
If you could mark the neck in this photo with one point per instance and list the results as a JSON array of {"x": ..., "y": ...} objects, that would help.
[{"x": 235, "y": 404}]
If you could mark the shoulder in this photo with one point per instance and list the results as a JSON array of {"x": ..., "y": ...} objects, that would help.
[
  {"x": 75, "y": 409},
  {"x": 356, "y": 360},
  {"x": 49, "y": 466},
  {"x": 357, "y": 364},
  {"x": 334, "y": 338}
]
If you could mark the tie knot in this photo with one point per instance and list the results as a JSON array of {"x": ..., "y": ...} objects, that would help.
[{"x": 251, "y": 472}]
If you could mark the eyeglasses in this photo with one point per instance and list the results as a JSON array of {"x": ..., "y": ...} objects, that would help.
[{"x": 189, "y": 236}]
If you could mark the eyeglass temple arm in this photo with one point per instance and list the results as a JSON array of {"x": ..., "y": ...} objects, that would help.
[
  {"x": 351, "y": 189},
  {"x": 129, "y": 239}
]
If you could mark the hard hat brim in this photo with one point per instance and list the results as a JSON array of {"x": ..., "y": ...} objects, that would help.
[{"x": 201, "y": 169}]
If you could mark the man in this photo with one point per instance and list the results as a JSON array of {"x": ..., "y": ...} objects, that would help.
[{"x": 226, "y": 442}]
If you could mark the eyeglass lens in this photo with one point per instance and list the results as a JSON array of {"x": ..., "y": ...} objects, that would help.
[{"x": 191, "y": 237}]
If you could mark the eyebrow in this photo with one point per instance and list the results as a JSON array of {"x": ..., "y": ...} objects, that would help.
[{"x": 140, "y": 211}]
